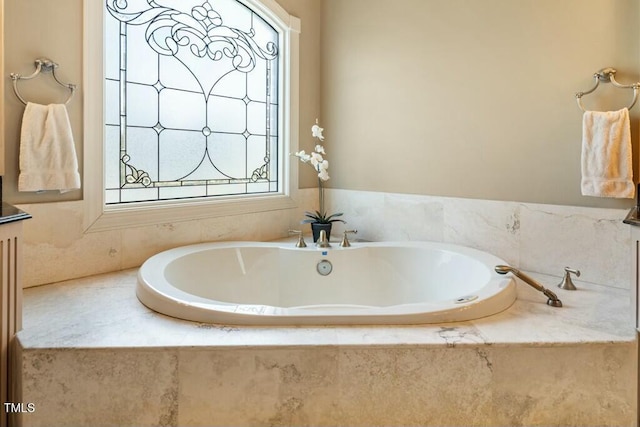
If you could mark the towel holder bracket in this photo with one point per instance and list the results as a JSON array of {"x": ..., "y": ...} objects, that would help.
[
  {"x": 43, "y": 65},
  {"x": 608, "y": 75}
]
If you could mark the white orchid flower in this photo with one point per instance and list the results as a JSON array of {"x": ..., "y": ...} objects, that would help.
[
  {"x": 323, "y": 175},
  {"x": 304, "y": 157},
  {"x": 316, "y": 131},
  {"x": 322, "y": 168},
  {"x": 316, "y": 159}
]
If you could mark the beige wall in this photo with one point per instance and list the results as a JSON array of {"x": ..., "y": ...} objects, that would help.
[
  {"x": 36, "y": 28},
  {"x": 470, "y": 98},
  {"x": 466, "y": 98}
]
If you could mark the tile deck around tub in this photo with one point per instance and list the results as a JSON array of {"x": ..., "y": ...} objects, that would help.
[
  {"x": 90, "y": 354},
  {"x": 103, "y": 312}
]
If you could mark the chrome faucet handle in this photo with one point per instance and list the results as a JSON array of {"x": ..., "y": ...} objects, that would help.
[
  {"x": 301, "y": 243},
  {"x": 567, "y": 283},
  {"x": 345, "y": 242}
]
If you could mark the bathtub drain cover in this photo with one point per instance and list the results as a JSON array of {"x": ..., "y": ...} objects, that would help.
[{"x": 324, "y": 267}]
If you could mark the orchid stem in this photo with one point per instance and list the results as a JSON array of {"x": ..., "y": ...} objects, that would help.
[{"x": 321, "y": 196}]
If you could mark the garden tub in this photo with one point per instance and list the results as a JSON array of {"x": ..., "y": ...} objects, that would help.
[{"x": 275, "y": 283}]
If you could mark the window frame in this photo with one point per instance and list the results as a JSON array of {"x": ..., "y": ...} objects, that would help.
[{"x": 99, "y": 216}]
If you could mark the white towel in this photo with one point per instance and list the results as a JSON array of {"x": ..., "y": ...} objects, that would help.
[
  {"x": 607, "y": 166},
  {"x": 47, "y": 153}
]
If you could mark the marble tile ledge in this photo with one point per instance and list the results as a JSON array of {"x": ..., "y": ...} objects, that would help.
[{"x": 102, "y": 311}]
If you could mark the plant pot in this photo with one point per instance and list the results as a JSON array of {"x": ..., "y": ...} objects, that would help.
[{"x": 317, "y": 226}]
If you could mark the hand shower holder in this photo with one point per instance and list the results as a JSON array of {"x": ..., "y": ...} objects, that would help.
[{"x": 552, "y": 297}]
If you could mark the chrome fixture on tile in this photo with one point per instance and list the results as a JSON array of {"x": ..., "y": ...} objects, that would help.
[
  {"x": 345, "y": 242},
  {"x": 567, "y": 283},
  {"x": 323, "y": 242},
  {"x": 301, "y": 243},
  {"x": 553, "y": 299}
]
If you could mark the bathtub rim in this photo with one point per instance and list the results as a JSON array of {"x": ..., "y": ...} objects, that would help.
[{"x": 496, "y": 296}]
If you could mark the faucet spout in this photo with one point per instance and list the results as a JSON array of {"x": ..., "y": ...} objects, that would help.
[
  {"x": 323, "y": 242},
  {"x": 552, "y": 297}
]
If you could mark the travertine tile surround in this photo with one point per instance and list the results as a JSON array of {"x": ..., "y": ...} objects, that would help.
[
  {"x": 534, "y": 237},
  {"x": 541, "y": 238},
  {"x": 91, "y": 354}
]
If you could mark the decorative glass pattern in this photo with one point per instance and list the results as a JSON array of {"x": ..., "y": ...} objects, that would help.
[{"x": 191, "y": 100}]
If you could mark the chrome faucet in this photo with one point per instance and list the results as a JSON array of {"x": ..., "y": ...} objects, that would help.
[
  {"x": 567, "y": 283},
  {"x": 323, "y": 242},
  {"x": 553, "y": 299},
  {"x": 300, "y": 243},
  {"x": 345, "y": 242}
]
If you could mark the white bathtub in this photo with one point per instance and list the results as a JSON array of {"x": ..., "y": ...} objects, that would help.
[{"x": 274, "y": 283}]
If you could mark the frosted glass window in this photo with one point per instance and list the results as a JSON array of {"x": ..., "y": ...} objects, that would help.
[{"x": 192, "y": 100}]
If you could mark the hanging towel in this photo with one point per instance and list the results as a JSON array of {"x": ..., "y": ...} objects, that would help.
[
  {"x": 607, "y": 169},
  {"x": 47, "y": 152}
]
